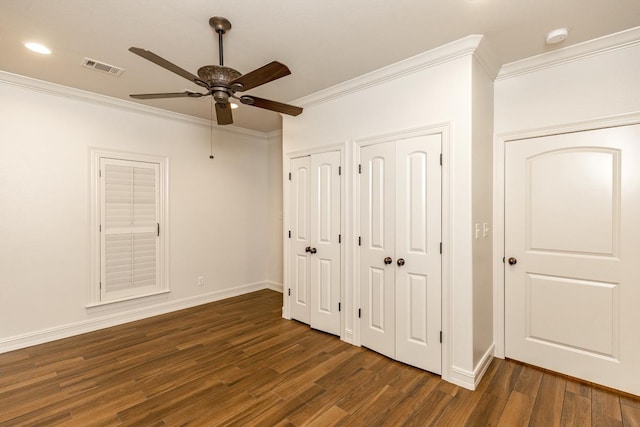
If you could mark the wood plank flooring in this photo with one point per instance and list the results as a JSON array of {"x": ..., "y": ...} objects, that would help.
[{"x": 237, "y": 362}]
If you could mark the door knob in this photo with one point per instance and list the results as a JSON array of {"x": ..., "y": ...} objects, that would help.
[
  {"x": 512, "y": 261},
  {"x": 400, "y": 262},
  {"x": 388, "y": 260},
  {"x": 313, "y": 250},
  {"x": 307, "y": 249}
]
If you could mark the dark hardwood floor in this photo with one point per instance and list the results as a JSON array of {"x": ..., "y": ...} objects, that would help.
[{"x": 237, "y": 362}]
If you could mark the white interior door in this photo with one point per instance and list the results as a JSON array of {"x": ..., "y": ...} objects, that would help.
[
  {"x": 400, "y": 261},
  {"x": 324, "y": 258},
  {"x": 572, "y": 227},
  {"x": 377, "y": 223},
  {"x": 299, "y": 300},
  {"x": 418, "y": 237}
]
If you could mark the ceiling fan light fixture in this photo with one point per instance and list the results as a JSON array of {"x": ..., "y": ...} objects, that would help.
[
  {"x": 38, "y": 48},
  {"x": 233, "y": 105}
]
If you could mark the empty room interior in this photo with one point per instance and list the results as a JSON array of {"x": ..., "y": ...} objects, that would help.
[{"x": 319, "y": 213}]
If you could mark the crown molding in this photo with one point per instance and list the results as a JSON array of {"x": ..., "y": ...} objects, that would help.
[
  {"x": 486, "y": 59},
  {"x": 55, "y": 89},
  {"x": 446, "y": 53},
  {"x": 612, "y": 42}
]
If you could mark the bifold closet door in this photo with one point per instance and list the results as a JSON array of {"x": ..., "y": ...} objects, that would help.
[
  {"x": 400, "y": 260},
  {"x": 325, "y": 239},
  {"x": 299, "y": 302},
  {"x": 315, "y": 241}
]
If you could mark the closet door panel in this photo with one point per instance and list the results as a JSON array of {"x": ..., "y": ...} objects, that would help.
[
  {"x": 418, "y": 237},
  {"x": 299, "y": 275},
  {"x": 377, "y": 219},
  {"x": 325, "y": 231}
]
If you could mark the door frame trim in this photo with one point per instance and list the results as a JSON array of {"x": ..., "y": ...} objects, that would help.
[
  {"x": 499, "y": 146},
  {"x": 444, "y": 129}
]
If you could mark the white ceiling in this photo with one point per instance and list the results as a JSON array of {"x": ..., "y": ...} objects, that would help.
[{"x": 324, "y": 42}]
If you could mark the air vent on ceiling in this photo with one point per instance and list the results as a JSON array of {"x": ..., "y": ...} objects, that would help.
[{"x": 101, "y": 66}]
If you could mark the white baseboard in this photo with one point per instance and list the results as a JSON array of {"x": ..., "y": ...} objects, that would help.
[
  {"x": 90, "y": 325},
  {"x": 468, "y": 379},
  {"x": 274, "y": 286}
]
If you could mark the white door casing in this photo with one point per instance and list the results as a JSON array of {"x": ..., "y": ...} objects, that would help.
[
  {"x": 400, "y": 218},
  {"x": 315, "y": 257},
  {"x": 572, "y": 204},
  {"x": 325, "y": 231}
]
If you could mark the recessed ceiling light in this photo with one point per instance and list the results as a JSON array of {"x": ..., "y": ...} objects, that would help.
[
  {"x": 556, "y": 36},
  {"x": 38, "y": 48},
  {"x": 233, "y": 106}
]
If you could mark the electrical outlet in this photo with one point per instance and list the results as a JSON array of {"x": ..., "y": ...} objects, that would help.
[
  {"x": 200, "y": 280},
  {"x": 485, "y": 229}
]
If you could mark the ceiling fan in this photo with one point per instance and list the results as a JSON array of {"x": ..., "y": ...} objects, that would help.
[{"x": 222, "y": 82}]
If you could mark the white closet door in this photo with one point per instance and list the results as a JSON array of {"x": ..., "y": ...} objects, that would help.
[
  {"x": 299, "y": 302},
  {"x": 418, "y": 237},
  {"x": 377, "y": 221},
  {"x": 572, "y": 234},
  {"x": 325, "y": 231}
]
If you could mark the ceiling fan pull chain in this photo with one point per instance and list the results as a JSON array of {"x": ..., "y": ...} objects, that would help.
[{"x": 211, "y": 152}]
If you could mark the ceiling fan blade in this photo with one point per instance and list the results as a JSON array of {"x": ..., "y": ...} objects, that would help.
[
  {"x": 267, "y": 104},
  {"x": 223, "y": 114},
  {"x": 150, "y": 56},
  {"x": 265, "y": 74},
  {"x": 186, "y": 94}
]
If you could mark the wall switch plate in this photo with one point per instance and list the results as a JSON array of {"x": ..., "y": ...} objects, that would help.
[
  {"x": 477, "y": 230},
  {"x": 200, "y": 280}
]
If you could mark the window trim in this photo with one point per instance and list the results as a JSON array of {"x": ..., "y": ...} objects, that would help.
[{"x": 95, "y": 156}]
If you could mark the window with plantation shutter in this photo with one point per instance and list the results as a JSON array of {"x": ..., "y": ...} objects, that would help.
[{"x": 130, "y": 225}]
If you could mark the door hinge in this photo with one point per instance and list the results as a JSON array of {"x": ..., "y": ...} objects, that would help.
[
  {"x": 441, "y": 336},
  {"x": 157, "y": 229},
  {"x": 339, "y": 170},
  {"x": 289, "y": 233},
  {"x": 440, "y": 247},
  {"x": 289, "y": 292},
  {"x": 339, "y": 238},
  {"x": 360, "y": 168},
  {"x": 289, "y": 176},
  {"x": 359, "y": 241},
  {"x": 100, "y": 230},
  {"x": 440, "y": 159},
  {"x": 100, "y": 285},
  {"x": 339, "y": 307},
  {"x": 359, "y": 313},
  {"x": 99, "y": 173}
]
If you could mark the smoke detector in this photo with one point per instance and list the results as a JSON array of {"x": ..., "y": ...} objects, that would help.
[{"x": 557, "y": 36}]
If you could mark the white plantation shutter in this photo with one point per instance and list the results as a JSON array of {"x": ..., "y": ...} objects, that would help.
[{"x": 129, "y": 217}]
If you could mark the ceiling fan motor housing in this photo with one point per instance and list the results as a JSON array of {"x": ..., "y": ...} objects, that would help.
[{"x": 218, "y": 78}]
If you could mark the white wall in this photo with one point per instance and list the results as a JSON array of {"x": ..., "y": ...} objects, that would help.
[
  {"x": 482, "y": 206},
  {"x": 603, "y": 83},
  {"x": 386, "y": 101},
  {"x": 217, "y": 208},
  {"x": 274, "y": 205}
]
